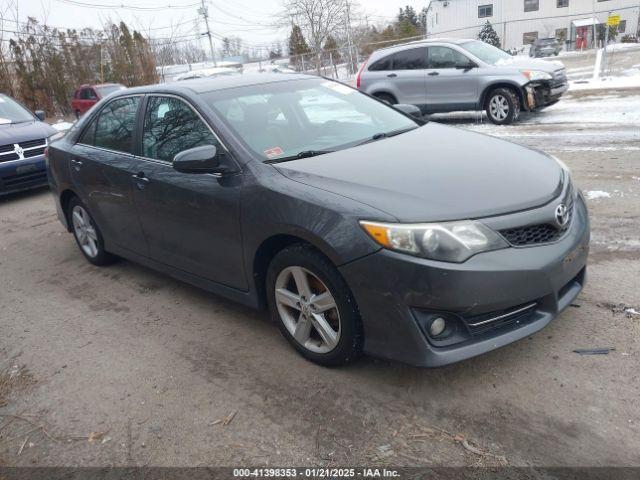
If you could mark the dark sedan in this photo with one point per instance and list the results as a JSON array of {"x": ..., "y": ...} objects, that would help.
[
  {"x": 23, "y": 139},
  {"x": 359, "y": 227}
]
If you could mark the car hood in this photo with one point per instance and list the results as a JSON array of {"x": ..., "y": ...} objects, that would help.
[
  {"x": 435, "y": 173},
  {"x": 526, "y": 63},
  {"x": 23, "y": 132}
]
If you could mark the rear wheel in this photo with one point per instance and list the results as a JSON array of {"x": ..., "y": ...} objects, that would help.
[
  {"x": 386, "y": 97},
  {"x": 502, "y": 106},
  {"x": 313, "y": 306},
  {"x": 87, "y": 234}
]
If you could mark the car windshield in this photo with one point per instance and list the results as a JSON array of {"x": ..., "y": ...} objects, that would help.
[
  {"x": 547, "y": 41},
  {"x": 105, "y": 90},
  {"x": 12, "y": 112},
  {"x": 485, "y": 52},
  {"x": 305, "y": 117}
]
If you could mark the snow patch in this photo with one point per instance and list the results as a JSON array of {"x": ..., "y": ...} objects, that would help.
[
  {"x": 630, "y": 79},
  {"x": 62, "y": 126},
  {"x": 595, "y": 194}
]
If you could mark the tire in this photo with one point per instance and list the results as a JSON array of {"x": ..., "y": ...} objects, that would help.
[
  {"x": 87, "y": 234},
  {"x": 386, "y": 97},
  {"x": 306, "y": 325},
  {"x": 502, "y": 106}
]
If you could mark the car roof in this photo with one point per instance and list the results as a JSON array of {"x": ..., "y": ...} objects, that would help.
[
  {"x": 211, "y": 84},
  {"x": 455, "y": 41},
  {"x": 91, "y": 85}
]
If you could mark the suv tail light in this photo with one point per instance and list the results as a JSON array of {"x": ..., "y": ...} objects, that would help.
[{"x": 364, "y": 64}]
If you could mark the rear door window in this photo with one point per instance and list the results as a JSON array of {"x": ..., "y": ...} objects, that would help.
[
  {"x": 382, "y": 65},
  {"x": 114, "y": 127},
  {"x": 414, "y": 59},
  {"x": 88, "y": 94}
]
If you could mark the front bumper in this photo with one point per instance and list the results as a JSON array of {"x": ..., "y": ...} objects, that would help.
[
  {"x": 18, "y": 175},
  {"x": 393, "y": 291},
  {"x": 540, "y": 94}
]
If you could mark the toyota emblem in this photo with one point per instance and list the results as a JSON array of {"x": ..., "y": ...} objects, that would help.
[{"x": 562, "y": 215}]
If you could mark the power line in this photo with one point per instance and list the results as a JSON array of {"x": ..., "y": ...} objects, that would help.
[{"x": 122, "y": 6}]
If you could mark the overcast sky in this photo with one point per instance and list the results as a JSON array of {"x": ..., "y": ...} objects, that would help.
[{"x": 249, "y": 19}]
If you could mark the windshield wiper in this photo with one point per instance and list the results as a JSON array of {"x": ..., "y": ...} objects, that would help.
[
  {"x": 300, "y": 155},
  {"x": 381, "y": 135}
]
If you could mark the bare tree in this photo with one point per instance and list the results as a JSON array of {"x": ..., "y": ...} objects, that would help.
[{"x": 318, "y": 19}]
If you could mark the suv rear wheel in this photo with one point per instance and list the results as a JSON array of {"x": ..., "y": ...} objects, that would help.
[
  {"x": 502, "y": 106},
  {"x": 313, "y": 306}
]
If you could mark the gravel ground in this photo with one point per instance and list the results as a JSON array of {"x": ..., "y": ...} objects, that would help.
[{"x": 124, "y": 366}]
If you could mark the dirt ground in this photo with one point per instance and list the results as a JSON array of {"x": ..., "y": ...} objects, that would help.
[{"x": 124, "y": 366}]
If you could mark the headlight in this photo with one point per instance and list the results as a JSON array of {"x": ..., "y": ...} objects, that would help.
[
  {"x": 534, "y": 75},
  {"x": 447, "y": 242}
]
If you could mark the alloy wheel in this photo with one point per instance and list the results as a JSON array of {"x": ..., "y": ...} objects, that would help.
[
  {"x": 308, "y": 309},
  {"x": 84, "y": 231},
  {"x": 499, "y": 107}
]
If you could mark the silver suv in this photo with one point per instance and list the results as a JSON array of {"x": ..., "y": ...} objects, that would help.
[{"x": 451, "y": 75}]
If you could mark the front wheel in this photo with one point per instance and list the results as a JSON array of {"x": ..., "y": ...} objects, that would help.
[
  {"x": 313, "y": 306},
  {"x": 502, "y": 106},
  {"x": 386, "y": 97}
]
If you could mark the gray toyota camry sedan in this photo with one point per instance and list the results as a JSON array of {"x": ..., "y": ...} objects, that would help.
[{"x": 360, "y": 228}]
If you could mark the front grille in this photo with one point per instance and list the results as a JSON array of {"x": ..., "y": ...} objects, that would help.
[
  {"x": 488, "y": 322},
  {"x": 531, "y": 235},
  {"x": 535, "y": 234},
  {"x": 30, "y": 148}
]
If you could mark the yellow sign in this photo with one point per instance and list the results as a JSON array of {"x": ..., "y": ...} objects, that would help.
[{"x": 613, "y": 20}]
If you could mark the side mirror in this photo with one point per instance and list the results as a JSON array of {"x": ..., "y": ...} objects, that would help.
[
  {"x": 409, "y": 110},
  {"x": 40, "y": 115},
  {"x": 205, "y": 159},
  {"x": 466, "y": 67}
]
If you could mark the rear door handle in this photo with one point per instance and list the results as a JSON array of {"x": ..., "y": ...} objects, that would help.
[
  {"x": 433, "y": 74},
  {"x": 392, "y": 75},
  {"x": 141, "y": 180}
]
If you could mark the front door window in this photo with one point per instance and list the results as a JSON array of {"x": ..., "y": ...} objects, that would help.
[{"x": 170, "y": 127}]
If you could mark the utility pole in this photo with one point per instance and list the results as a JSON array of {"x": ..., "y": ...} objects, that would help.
[
  {"x": 594, "y": 39},
  {"x": 349, "y": 37},
  {"x": 205, "y": 14},
  {"x": 606, "y": 41}
]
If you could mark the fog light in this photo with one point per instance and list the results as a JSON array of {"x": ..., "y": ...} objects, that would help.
[{"x": 437, "y": 326}]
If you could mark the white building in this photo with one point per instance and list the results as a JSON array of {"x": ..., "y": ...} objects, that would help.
[{"x": 519, "y": 22}]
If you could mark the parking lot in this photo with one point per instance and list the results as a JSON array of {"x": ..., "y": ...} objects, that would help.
[{"x": 124, "y": 366}]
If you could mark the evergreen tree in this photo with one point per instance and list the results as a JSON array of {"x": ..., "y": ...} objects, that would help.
[
  {"x": 226, "y": 47},
  {"x": 330, "y": 45},
  {"x": 489, "y": 35},
  {"x": 297, "y": 46},
  {"x": 408, "y": 14}
]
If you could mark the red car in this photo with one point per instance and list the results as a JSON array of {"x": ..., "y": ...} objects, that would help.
[{"x": 87, "y": 96}]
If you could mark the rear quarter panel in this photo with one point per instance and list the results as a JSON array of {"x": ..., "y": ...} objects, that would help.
[{"x": 59, "y": 174}]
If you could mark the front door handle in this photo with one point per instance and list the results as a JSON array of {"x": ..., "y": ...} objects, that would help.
[
  {"x": 392, "y": 75},
  {"x": 77, "y": 164},
  {"x": 141, "y": 180},
  {"x": 433, "y": 74}
]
